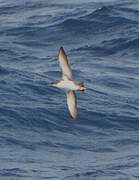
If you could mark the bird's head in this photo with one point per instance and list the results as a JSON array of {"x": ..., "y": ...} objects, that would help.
[{"x": 81, "y": 86}]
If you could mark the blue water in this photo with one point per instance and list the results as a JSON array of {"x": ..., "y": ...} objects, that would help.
[{"x": 38, "y": 138}]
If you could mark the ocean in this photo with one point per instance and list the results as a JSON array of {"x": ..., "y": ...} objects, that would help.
[{"x": 38, "y": 137}]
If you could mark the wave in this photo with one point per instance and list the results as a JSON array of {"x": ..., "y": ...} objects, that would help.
[
  {"x": 3, "y": 71},
  {"x": 101, "y": 41},
  {"x": 113, "y": 46}
]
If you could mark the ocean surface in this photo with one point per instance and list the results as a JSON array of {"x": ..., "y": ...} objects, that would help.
[{"x": 38, "y": 137}]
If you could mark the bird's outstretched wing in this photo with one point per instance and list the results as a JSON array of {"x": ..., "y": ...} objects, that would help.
[
  {"x": 72, "y": 104},
  {"x": 63, "y": 63}
]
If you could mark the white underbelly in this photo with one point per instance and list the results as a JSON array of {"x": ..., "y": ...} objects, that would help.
[{"x": 68, "y": 85}]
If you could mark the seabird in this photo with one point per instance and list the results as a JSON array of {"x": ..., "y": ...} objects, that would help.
[{"x": 68, "y": 84}]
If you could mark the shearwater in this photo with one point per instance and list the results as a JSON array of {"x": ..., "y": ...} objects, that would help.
[{"x": 68, "y": 84}]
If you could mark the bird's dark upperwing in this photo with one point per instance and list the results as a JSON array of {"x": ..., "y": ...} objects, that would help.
[
  {"x": 63, "y": 63},
  {"x": 72, "y": 104}
]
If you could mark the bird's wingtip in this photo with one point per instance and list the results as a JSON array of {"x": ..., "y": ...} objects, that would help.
[
  {"x": 61, "y": 47},
  {"x": 61, "y": 50},
  {"x": 76, "y": 118}
]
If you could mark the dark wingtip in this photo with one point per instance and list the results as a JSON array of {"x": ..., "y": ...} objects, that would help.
[
  {"x": 61, "y": 47},
  {"x": 61, "y": 51}
]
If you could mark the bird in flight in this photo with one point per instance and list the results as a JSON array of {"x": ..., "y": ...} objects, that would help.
[{"x": 68, "y": 84}]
